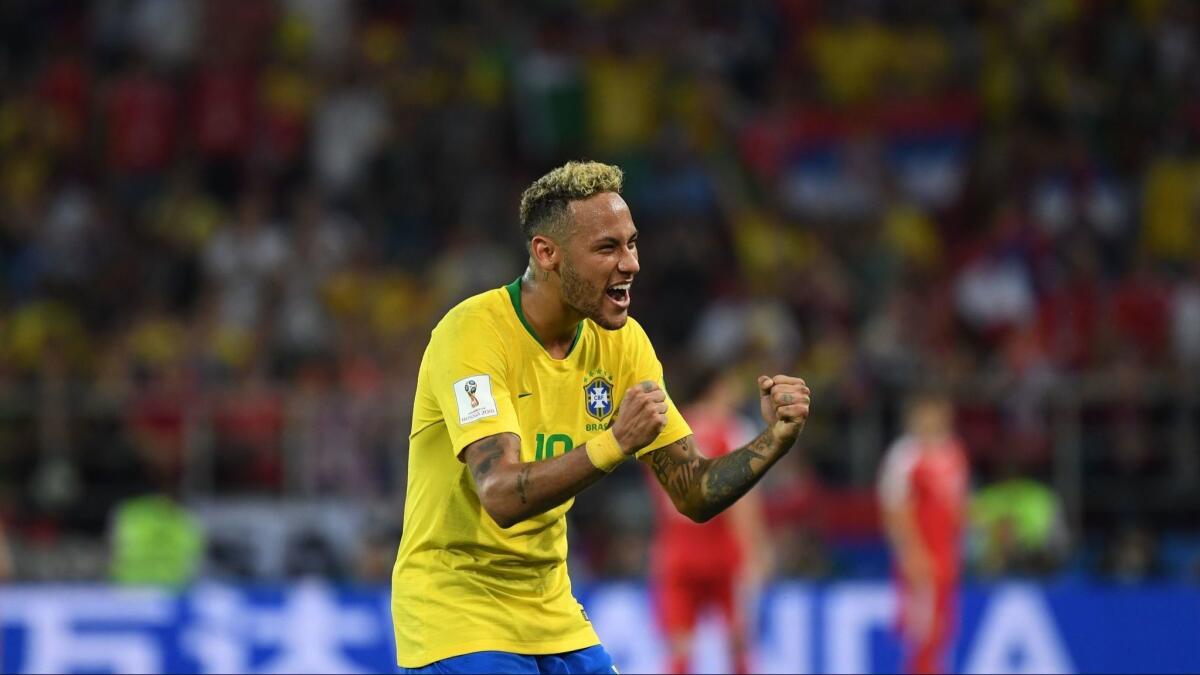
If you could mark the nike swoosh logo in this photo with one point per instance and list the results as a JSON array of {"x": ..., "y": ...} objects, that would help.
[{"x": 525, "y": 394}]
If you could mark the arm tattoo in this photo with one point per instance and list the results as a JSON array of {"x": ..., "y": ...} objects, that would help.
[
  {"x": 523, "y": 481},
  {"x": 731, "y": 476},
  {"x": 678, "y": 476},
  {"x": 701, "y": 488},
  {"x": 490, "y": 451}
]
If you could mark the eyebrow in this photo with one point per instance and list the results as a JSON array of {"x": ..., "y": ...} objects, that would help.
[{"x": 610, "y": 239}]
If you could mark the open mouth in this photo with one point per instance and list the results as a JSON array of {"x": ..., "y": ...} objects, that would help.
[{"x": 619, "y": 294}]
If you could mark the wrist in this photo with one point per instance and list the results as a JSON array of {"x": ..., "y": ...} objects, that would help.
[
  {"x": 605, "y": 452},
  {"x": 625, "y": 448},
  {"x": 780, "y": 441}
]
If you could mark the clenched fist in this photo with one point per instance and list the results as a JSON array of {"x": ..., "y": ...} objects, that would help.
[
  {"x": 642, "y": 417},
  {"x": 784, "y": 401}
]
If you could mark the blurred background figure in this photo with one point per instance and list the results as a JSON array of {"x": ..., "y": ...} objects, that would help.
[
  {"x": 923, "y": 497},
  {"x": 720, "y": 565},
  {"x": 155, "y": 541},
  {"x": 1133, "y": 556},
  {"x": 1017, "y": 526}
]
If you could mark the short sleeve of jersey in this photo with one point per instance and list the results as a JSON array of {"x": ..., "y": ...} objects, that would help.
[
  {"x": 647, "y": 367},
  {"x": 467, "y": 370},
  {"x": 896, "y": 474}
]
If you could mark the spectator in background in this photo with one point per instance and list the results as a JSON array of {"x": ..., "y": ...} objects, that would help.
[
  {"x": 1133, "y": 556},
  {"x": 1017, "y": 525},
  {"x": 349, "y": 124},
  {"x": 922, "y": 493},
  {"x": 719, "y": 564},
  {"x": 155, "y": 541},
  {"x": 322, "y": 243},
  {"x": 245, "y": 258},
  {"x": 141, "y": 110}
]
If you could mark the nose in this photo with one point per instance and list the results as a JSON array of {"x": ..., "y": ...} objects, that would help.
[{"x": 628, "y": 264}]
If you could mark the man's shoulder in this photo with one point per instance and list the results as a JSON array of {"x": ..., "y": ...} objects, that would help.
[
  {"x": 903, "y": 446},
  {"x": 901, "y": 457},
  {"x": 484, "y": 310}
]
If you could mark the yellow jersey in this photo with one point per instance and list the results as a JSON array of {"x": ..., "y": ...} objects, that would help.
[{"x": 462, "y": 584}]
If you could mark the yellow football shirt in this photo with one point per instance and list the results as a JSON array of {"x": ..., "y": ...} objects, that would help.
[{"x": 462, "y": 584}]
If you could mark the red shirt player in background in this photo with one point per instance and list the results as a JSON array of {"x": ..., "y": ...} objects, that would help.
[
  {"x": 922, "y": 492},
  {"x": 718, "y": 564}
]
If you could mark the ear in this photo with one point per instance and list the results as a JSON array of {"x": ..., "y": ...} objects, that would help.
[{"x": 545, "y": 253}]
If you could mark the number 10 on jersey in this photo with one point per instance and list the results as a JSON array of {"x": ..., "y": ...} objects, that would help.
[{"x": 546, "y": 446}]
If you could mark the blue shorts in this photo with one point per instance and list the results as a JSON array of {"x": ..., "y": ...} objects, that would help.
[{"x": 592, "y": 660}]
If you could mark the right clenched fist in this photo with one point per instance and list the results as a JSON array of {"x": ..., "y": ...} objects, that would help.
[{"x": 642, "y": 417}]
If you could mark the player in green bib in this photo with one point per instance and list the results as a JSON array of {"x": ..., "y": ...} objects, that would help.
[{"x": 526, "y": 395}]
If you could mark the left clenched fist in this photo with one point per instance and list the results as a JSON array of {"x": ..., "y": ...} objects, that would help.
[{"x": 784, "y": 401}]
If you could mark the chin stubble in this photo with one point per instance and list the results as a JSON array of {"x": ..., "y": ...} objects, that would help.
[{"x": 578, "y": 296}]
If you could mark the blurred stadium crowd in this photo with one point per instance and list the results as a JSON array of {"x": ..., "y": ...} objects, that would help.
[{"x": 227, "y": 227}]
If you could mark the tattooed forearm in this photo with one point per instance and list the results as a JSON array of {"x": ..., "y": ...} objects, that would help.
[
  {"x": 701, "y": 488},
  {"x": 731, "y": 476},
  {"x": 523, "y": 481},
  {"x": 511, "y": 491}
]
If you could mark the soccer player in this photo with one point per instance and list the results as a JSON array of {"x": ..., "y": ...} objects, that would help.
[
  {"x": 922, "y": 493},
  {"x": 526, "y": 395},
  {"x": 717, "y": 564}
]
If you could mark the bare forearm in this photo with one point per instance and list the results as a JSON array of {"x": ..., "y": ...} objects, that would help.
[
  {"x": 516, "y": 491},
  {"x": 747, "y": 515},
  {"x": 910, "y": 553}
]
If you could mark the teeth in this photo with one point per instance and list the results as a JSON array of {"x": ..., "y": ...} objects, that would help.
[{"x": 621, "y": 287}]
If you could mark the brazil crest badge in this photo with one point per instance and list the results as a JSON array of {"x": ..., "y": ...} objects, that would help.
[{"x": 598, "y": 399}]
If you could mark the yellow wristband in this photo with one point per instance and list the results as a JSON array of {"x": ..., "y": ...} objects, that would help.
[{"x": 605, "y": 452}]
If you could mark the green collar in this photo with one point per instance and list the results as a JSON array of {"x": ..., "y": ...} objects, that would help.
[{"x": 514, "y": 293}]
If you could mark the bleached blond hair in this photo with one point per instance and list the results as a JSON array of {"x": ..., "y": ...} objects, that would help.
[{"x": 544, "y": 205}]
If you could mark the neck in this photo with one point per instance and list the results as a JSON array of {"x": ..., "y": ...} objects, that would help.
[
  {"x": 934, "y": 439},
  {"x": 554, "y": 323}
]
